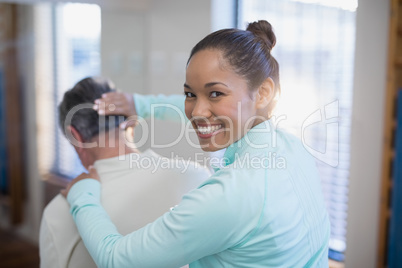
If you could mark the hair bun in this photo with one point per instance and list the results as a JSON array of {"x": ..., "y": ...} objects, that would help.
[{"x": 263, "y": 29}]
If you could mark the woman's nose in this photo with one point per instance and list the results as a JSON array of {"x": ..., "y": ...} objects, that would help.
[{"x": 201, "y": 109}]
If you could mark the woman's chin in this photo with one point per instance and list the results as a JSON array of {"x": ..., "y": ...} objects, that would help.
[
  {"x": 212, "y": 148},
  {"x": 208, "y": 149}
]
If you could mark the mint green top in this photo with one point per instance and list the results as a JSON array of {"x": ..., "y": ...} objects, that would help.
[{"x": 262, "y": 208}]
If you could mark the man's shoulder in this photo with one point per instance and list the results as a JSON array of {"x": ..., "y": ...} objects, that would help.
[
  {"x": 57, "y": 216},
  {"x": 57, "y": 205},
  {"x": 177, "y": 164},
  {"x": 58, "y": 234}
]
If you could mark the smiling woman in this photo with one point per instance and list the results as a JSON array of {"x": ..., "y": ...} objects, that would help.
[
  {"x": 233, "y": 88},
  {"x": 213, "y": 107},
  {"x": 250, "y": 212}
]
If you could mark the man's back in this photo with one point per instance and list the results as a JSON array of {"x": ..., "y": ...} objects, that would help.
[{"x": 136, "y": 189}]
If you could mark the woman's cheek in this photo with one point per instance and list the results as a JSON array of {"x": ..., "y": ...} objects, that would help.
[{"x": 188, "y": 110}]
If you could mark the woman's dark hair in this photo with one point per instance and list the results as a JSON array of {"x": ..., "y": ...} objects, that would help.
[
  {"x": 247, "y": 52},
  {"x": 86, "y": 120}
]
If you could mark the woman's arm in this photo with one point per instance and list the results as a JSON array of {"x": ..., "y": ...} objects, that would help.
[
  {"x": 160, "y": 106},
  {"x": 203, "y": 224}
]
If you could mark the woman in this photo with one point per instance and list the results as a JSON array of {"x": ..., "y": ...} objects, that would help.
[{"x": 250, "y": 213}]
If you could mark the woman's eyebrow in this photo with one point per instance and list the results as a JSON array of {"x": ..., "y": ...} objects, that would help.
[
  {"x": 211, "y": 84},
  {"x": 207, "y": 85}
]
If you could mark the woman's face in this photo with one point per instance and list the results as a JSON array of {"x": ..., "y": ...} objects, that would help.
[{"x": 218, "y": 102}]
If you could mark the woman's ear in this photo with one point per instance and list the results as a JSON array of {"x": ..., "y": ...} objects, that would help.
[{"x": 265, "y": 94}]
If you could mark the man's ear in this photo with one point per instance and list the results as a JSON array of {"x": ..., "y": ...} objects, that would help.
[
  {"x": 75, "y": 139},
  {"x": 265, "y": 93}
]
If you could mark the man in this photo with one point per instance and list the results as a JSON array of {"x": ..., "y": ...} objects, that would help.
[{"x": 136, "y": 187}]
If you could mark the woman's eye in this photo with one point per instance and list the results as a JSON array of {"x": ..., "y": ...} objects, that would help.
[
  {"x": 215, "y": 94},
  {"x": 189, "y": 95}
]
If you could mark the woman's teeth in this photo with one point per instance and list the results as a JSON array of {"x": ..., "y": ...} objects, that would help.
[{"x": 209, "y": 129}]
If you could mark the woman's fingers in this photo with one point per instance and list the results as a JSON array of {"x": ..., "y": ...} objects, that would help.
[
  {"x": 130, "y": 122},
  {"x": 115, "y": 103},
  {"x": 92, "y": 174},
  {"x": 109, "y": 104}
]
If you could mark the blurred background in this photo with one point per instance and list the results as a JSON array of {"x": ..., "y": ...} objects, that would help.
[{"x": 339, "y": 86}]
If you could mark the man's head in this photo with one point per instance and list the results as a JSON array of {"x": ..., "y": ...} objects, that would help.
[
  {"x": 86, "y": 120},
  {"x": 77, "y": 117}
]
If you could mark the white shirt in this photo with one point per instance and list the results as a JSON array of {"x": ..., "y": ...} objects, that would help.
[{"x": 136, "y": 190}]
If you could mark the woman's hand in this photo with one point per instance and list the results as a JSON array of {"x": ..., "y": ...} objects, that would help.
[
  {"x": 115, "y": 103},
  {"x": 93, "y": 174},
  {"x": 118, "y": 103}
]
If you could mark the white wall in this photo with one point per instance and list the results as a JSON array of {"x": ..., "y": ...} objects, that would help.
[
  {"x": 367, "y": 131},
  {"x": 162, "y": 36},
  {"x": 175, "y": 26},
  {"x": 122, "y": 48}
]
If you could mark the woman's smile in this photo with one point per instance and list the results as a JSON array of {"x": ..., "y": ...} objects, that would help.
[{"x": 206, "y": 131}]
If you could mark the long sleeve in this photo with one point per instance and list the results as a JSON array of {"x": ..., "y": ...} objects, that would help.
[
  {"x": 196, "y": 228},
  {"x": 161, "y": 107}
]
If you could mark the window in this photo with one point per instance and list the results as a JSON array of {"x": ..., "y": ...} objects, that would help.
[
  {"x": 315, "y": 51},
  {"x": 71, "y": 32}
]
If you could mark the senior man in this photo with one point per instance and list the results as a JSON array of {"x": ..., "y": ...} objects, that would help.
[{"x": 133, "y": 195}]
